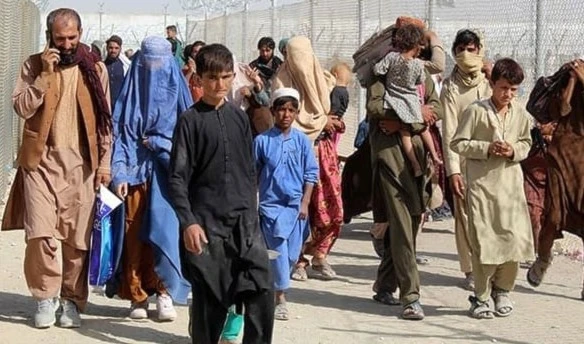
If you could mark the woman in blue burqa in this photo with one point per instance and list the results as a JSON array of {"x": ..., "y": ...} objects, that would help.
[{"x": 146, "y": 242}]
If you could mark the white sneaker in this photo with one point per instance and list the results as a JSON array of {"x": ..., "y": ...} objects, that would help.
[
  {"x": 166, "y": 311},
  {"x": 44, "y": 316},
  {"x": 70, "y": 317},
  {"x": 139, "y": 311}
]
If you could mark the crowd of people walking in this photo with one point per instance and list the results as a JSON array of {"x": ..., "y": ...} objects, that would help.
[{"x": 231, "y": 181}]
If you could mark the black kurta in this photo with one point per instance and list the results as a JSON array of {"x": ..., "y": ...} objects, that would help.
[{"x": 213, "y": 184}]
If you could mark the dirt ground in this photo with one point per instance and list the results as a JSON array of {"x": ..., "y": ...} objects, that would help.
[{"x": 339, "y": 311}]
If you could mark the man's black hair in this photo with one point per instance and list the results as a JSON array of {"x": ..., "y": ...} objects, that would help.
[{"x": 266, "y": 42}]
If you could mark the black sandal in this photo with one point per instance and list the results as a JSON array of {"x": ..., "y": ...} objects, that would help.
[{"x": 386, "y": 298}]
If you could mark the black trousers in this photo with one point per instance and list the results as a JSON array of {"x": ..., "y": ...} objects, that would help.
[{"x": 208, "y": 316}]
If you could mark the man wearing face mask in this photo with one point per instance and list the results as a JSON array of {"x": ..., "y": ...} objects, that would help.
[
  {"x": 466, "y": 84},
  {"x": 63, "y": 94}
]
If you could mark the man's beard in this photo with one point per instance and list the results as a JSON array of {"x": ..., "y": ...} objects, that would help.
[
  {"x": 266, "y": 61},
  {"x": 67, "y": 57}
]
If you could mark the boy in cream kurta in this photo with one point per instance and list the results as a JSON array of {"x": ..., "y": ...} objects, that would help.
[{"x": 494, "y": 136}]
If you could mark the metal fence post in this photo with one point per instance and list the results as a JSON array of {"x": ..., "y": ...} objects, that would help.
[
  {"x": 273, "y": 10},
  {"x": 244, "y": 30},
  {"x": 379, "y": 12},
  {"x": 206, "y": 23},
  {"x": 361, "y": 100},
  {"x": 539, "y": 47},
  {"x": 430, "y": 14},
  {"x": 312, "y": 17},
  {"x": 225, "y": 17}
]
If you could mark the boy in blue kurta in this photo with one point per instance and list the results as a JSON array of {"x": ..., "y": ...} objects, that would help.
[{"x": 287, "y": 171}]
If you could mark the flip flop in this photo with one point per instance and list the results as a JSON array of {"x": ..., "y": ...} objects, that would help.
[
  {"x": 386, "y": 298},
  {"x": 281, "y": 312},
  {"x": 479, "y": 309},
  {"x": 299, "y": 274},
  {"x": 503, "y": 304},
  {"x": 413, "y": 311},
  {"x": 421, "y": 260},
  {"x": 536, "y": 272},
  {"x": 325, "y": 271}
]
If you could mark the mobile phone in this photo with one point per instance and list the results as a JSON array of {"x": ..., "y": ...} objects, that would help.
[{"x": 49, "y": 39}]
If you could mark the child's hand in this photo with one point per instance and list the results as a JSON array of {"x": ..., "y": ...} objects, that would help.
[
  {"x": 457, "y": 185},
  {"x": 507, "y": 151},
  {"x": 254, "y": 76},
  {"x": 502, "y": 149},
  {"x": 339, "y": 125},
  {"x": 547, "y": 128},
  {"x": 428, "y": 114},
  {"x": 330, "y": 124},
  {"x": 195, "y": 239},
  {"x": 245, "y": 92},
  {"x": 191, "y": 64},
  {"x": 495, "y": 148},
  {"x": 303, "y": 214}
]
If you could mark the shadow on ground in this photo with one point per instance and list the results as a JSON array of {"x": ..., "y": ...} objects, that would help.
[
  {"x": 18, "y": 309},
  {"x": 459, "y": 334}
]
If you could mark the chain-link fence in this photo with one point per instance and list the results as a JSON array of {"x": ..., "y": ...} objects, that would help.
[
  {"x": 19, "y": 30},
  {"x": 540, "y": 34}
]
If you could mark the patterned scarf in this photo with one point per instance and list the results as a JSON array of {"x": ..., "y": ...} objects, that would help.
[{"x": 86, "y": 62}]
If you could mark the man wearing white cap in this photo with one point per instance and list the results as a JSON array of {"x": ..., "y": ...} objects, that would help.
[{"x": 287, "y": 172}]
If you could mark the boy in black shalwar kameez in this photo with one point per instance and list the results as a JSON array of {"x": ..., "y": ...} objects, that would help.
[{"x": 213, "y": 189}]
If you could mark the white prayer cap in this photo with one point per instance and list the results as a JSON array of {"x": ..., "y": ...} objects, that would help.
[{"x": 284, "y": 92}]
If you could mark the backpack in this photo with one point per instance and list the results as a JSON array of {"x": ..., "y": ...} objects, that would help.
[
  {"x": 371, "y": 52},
  {"x": 542, "y": 103}
]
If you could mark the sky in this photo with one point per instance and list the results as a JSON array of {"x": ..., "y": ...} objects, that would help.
[{"x": 131, "y": 6}]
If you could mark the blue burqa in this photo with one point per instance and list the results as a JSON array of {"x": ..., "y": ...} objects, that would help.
[{"x": 154, "y": 94}]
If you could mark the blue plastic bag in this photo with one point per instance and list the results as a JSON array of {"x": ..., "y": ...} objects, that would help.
[{"x": 101, "y": 262}]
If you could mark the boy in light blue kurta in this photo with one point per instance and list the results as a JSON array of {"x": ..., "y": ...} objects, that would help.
[{"x": 287, "y": 172}]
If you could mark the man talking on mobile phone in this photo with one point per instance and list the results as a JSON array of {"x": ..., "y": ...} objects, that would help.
[{"x": 63, "y": 95}]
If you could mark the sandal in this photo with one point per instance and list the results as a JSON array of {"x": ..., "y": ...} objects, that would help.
[
  {"x": 503, "y": 304},
  {"x": 421, "y": 260},
  {"x": 299, "y": 274},
  {"x": 537, "y": 271},
  {"x": 281, "y": 312},
  {"x": 413, "y": 311},
  {"x": 386, "y": 298},
  {"x": 479, "y": 309},
  {"x": 325, "y": 270}
]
